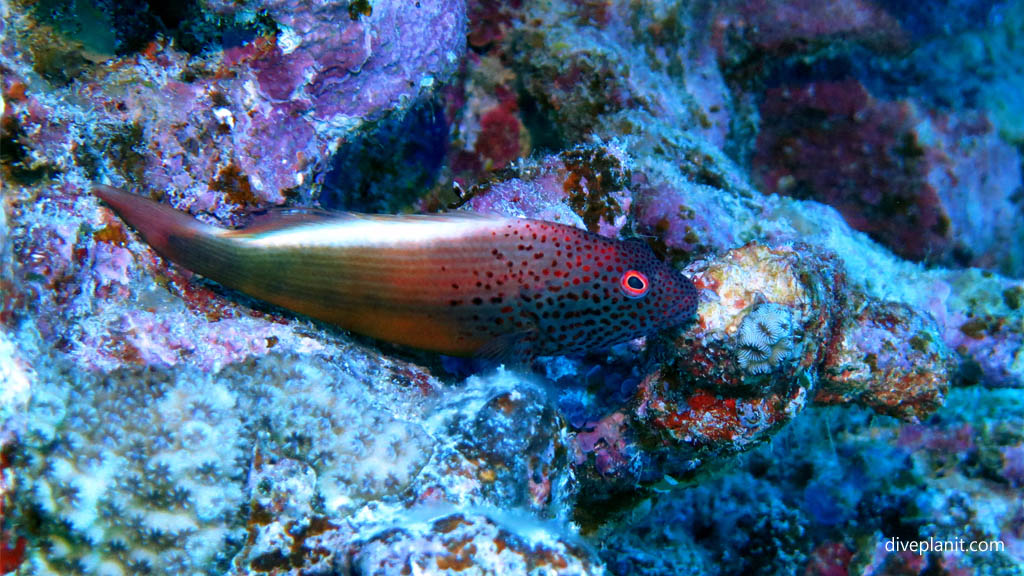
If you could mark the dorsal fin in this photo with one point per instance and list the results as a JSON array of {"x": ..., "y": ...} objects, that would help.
[
  {"x": 277, "y": 217},
  {"x": 438, "y": 217},
  {"x": 638, "y": 244}
]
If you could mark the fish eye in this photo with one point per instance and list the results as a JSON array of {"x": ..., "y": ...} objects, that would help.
[{"x": 634, "y": 284}]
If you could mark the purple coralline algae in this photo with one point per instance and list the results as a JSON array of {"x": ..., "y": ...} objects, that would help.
[
  {"x": 890, "y": 357},
  {"x": 841, "y": 181},
  {"x": 253, "y": 122},
  {"x": 914, "y": 182}
]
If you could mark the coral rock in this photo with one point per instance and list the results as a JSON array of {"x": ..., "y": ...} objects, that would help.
[
  {"x": 889, "y": 357},
  {"x": 779, "y": 25},
  {"x": 774, "y": 325},
  {"x": 796, "y": 295},
  {"x": 585, "y": 186},
  {"x": 282, "y": 519},
  {"x": 455, "y": 542},
  {"x": 514, "y": 438},
  {"x": 912, "y": 180},
  {"x": 314, "y": 413},
  {"x": 259, "y": 119}
]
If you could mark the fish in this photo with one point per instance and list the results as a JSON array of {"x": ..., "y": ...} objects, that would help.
[{"x": 460, "y": 284}]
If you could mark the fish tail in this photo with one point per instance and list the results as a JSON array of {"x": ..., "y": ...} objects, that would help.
[{"x": 174, "y": 235}]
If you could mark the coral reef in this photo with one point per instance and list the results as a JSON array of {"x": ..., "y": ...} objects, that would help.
[
  {"x": 511, "y": 437},
  {"x": 282, "y": 519},
  {"x": 253, "y": 122},
  {"x": 841, "y": 180},
  {"x": 404, "y": 151},
  {"x": 316, "y": 414},
  {"x": 586, "y": 186},
  {"x": 776, "y": 329},
  {"x": 504, "y": 448},
  {"x": 889, "y": 357},
  {"x": 144, "y": 468},
  {"x": 832, "y": 489}
]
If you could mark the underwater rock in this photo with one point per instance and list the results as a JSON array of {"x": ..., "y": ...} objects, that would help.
[
  {"x": 707, "y": 403},
  {"x": 874, "y": 175},
  {"x": 982, "y": 319},
  {"x": 94, "y": 421},
  {"x": 691, "y": 201},
  {"x": 796, "y": 291},
  {"x": 809, "y": 25},
  {"x": 434, "y": 542},
  {"x": 975, "y": 67},
  {"x": 572, "y": 60},
  {"x": 283, "y": 520},
  {"x": 252, "y": 121},
  {"x": 513, "y": 439},
  {"x": 912, "y": 180},
  {"x": 774, "y": 325},
  {"x": 832, "y": 489},
  {"x": 778, "y": 26},
  {"x": 488, "y": 123},
  {"x": 732, "y": 523},
  {"x": 890, "y": 357},
  {"x": 386, "y": 168},
  {"x": 973, "y": 169},
  {"x": 12, "y": 548},
  {"x": 586, "y": 186},
  {"x": 336, "y": 454},
  {"x": 145, "y": 468}
]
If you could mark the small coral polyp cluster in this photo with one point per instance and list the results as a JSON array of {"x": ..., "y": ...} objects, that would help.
[
  {"x": 317, "y": 414},
  {"x": 845, "y": 202},
  {"x": 765, "y": 338},
  {"x": 141, "y": 471},
  {"x": 132, "y": 472}
]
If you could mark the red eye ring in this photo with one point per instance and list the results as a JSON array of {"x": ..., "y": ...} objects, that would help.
[{"x": 634, "y": 284}]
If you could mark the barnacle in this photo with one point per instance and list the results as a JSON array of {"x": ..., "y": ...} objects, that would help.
[{"x": 765, "y": 338}]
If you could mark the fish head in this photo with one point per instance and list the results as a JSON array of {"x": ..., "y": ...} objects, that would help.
[{"x": 655, "y": 296}]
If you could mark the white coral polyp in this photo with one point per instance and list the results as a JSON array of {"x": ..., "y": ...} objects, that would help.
[{"x": 765, "y": 338}]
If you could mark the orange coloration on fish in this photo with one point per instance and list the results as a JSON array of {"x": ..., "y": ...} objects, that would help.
[{"x": 460, "y": 283}]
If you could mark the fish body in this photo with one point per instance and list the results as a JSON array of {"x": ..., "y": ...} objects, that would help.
[{"x": 460, "y": 284}]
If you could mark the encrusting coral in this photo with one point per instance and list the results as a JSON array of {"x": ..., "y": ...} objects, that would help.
[
  {"x": 132, "y": 472},
  {"x": 142, "y": 470}
]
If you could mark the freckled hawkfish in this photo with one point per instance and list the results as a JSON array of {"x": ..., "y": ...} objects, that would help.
[{"x": 461, "y": 284}]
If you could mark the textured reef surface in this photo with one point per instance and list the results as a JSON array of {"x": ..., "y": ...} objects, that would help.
[{"x": 843, "y": 180}]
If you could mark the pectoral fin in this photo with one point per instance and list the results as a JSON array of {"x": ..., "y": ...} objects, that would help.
[{"x": 512, "y": 349}]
